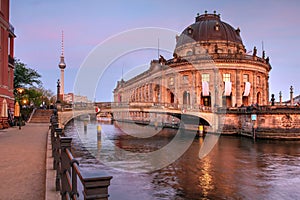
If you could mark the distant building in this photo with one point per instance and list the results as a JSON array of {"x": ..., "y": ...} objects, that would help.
[
  {"x": 6, "y": 61},
  {"x": 209, "y": 68},
  {"x": 71, "y": 98},
  {"x": 81, "y": 99}
]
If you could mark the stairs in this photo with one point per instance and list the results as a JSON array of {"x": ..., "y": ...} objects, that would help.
[{"x": 41, "y": 116}]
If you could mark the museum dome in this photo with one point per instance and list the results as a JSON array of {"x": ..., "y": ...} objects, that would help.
[{"x": 209, "y": 28}]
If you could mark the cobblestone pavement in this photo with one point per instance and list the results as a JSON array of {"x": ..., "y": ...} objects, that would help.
[{"x": 23, "y": 162}]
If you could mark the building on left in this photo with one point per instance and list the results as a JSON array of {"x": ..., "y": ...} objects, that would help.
[{"x": 6, "y": 62}]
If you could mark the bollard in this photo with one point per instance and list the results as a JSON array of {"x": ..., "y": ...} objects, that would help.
[
  {"x": 99, "y": 129},
  {"x": 155, "y": 125},
  {"x": 99, "y": 136},
  {"x": 85, "y": 126},
  {"x": 200, "y": 130}
]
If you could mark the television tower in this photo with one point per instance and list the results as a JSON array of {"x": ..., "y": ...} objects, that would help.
[{"x": 62, "y": 67}]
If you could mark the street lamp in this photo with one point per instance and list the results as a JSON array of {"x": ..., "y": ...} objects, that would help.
[{"x": 20, "y": 92}]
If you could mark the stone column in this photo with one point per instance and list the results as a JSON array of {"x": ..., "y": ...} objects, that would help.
[
  {"x": 254, "y": 86},
  {"x": 150, "y": 97},
  {"x": 198, "y": 91},
  {"x": 143, "y": 93},
  {"x": 153, "y": 91},
  {"x": 267, "y": 90},
  {"x": 280, "y": 98},
  {"x": 291, "y": 95},
  {"x": 238, "y": 95},
  {"x": 194, "y": 89},
  {"x": 162, "y": 91},
  {"x": 176, "y": 87},
  {"x": 136, "y": 95},
  {"x": 140, "y": 93},
  {"x": 216, "y": 96}
]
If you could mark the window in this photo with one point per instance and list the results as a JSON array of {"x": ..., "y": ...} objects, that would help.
[
  {"x": 217, "y": 27},
  {"x": 190, "y": 30},
  {"x": 189, "y": 53},
  {"x": 226, "y": 77},
  {"x": 245, "y": 78},
  {"x": 171, "y": 81},
  {"x": 9, "y": 79},
  {"x": 258, "y": 80},
  {"x": 185, "y": 78},
  {"x": 205, "y": 77}
]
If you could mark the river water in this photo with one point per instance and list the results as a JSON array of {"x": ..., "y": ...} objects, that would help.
[{"x": 235, "y": 168}]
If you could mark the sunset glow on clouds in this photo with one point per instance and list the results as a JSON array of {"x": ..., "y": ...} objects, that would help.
[{"x": 38, "y": 26}]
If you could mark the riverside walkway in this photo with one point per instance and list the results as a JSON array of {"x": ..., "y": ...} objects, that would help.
[{"x": 23, "y": 155}]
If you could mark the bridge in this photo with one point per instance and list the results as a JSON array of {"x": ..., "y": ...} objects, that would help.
[
  {"x": 197, "y": 115},
  {"x": 66, "y": 115}
]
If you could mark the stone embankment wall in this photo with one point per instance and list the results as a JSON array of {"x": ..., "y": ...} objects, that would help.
[{"x": 271, "y": 122}]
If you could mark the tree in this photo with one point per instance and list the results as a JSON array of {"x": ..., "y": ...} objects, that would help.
[
  {"x": 29, "y": 79},
  {"x": 37, "y": 96},
  {"x": 24, "y": 76}
]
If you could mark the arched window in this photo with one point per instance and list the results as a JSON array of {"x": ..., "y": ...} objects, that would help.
[
  {"x": 186, "y": 98},
  {"x": 258, "y": 98},
  {"x": 245, "y": 100}
]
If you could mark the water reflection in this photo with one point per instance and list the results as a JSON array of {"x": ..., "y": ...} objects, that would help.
[{"x": 236, "y": 168}]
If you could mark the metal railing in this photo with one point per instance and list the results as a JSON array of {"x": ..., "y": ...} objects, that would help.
[
  {"x": 262, "y": 110},
  {"x": 95, "y": 184}
]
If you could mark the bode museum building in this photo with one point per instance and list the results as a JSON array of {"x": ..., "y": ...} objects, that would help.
[
  {"x": 213, "y": 83},
  {"x": 210, "y": 68}
]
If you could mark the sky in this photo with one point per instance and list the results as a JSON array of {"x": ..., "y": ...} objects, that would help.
[{"x": 88, "y": 25}]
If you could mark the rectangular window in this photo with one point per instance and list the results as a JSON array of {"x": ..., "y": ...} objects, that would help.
[
  {"x": 258, "y": 80},
  {"x": 205, "y": 77},
  {"x": 185, "y": 78},
  {"x": 171, "y": 81},
  {"x": 245, "y": 78},
  {"x": 226, "y": 77}
]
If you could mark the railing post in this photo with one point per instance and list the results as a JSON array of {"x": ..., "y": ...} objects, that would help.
[
  {"x": 53, "y": 127},
  {"x": 56, "y": 156},
  {"x": 95, "y": 185},
  {"x": 56, "y": 146},
  {"x": 74, "y": 164},
  {"x": 65, "y": 143}
]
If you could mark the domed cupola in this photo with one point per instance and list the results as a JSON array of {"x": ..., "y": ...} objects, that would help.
[{"x": 212, "y": 34}]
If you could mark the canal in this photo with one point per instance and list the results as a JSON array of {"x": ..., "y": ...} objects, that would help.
[{"x": 235, "y": 168}]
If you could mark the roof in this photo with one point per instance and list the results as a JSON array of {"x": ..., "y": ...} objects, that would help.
[{"x": 207, "y": 28}]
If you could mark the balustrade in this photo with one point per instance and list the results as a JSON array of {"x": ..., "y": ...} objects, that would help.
[{"x": 95, "y": 183}]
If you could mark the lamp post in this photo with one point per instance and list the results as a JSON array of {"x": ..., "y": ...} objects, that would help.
[{"x": 20, "y": 92}]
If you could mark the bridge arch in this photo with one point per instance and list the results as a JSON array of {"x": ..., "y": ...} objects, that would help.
[{"x": 65, "y": 117}]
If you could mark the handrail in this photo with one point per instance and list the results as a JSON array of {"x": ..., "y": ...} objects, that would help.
[{"x": 95, "y": 184}]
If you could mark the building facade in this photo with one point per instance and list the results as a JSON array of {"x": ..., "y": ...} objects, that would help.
[
  {"x": 210, "y": 68},
  {"x": 6, "y": 61},
  {"x": 71, "y": 98}
]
